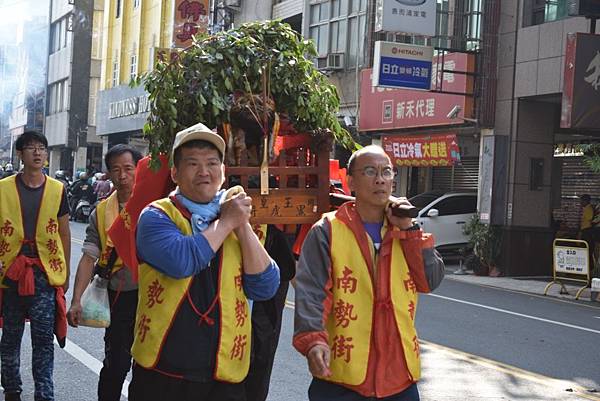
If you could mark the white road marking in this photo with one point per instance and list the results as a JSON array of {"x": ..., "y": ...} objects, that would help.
[
  {"x": 499, "y": 366},
  {"x": 572, "y": 326},
  {"x": 89, "y": 361}
]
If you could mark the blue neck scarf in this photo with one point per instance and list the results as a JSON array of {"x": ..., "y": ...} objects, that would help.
[{"x": 202, "y": 213}]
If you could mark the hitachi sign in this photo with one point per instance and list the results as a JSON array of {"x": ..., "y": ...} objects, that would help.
[{"x": 129, "y": 106}]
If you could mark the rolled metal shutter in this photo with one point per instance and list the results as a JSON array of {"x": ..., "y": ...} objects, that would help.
[
  {"x": 577, "y": 179},
  {"x": 461, "y": 177}
]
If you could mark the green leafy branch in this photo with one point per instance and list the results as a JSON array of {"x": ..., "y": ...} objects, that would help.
[{"x": 200, "y": 84}]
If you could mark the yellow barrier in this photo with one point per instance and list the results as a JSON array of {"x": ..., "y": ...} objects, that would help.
[{"x": 570, "y": 260}]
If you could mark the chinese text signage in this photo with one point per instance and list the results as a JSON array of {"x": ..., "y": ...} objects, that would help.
[
  {"x": 422, "y": 151},
  {"x": 398, "y": 65},
  {"x": 408, "y": 16},
  {"x": 386, "y": 108},
  {"x": 191, "y": 18}
]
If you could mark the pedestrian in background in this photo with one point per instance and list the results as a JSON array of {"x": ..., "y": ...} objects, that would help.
[
  {"x": 193, "y": 327},
  {"x": 586, "y": 226},
  {"x": 359, "y": 273},
  {"x": 99, "y": 256},
  {"x": 35, "y": 249}
]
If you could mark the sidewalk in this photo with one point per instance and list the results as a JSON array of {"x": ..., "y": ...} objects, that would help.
[{"x": 530, "y": 285}]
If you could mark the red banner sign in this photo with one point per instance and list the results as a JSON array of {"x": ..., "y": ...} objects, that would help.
[
  {"x": 422, "y": 151},
  {"x": 191, "y": 18},
  {"x": 385, "y": 108}
]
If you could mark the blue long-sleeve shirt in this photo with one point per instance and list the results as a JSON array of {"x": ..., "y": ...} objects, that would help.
[{"x": 161, "y": 244}]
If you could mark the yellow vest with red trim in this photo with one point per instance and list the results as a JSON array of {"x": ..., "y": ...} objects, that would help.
[
  {"x": 350, "y": 322},
  {"x": 153, "y": 318},
  {"x": 103, "y": 226},
  {"x": 48, "y": 242}
]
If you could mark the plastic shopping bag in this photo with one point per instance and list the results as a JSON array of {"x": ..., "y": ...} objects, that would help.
[{"x": 95, "y": 307}]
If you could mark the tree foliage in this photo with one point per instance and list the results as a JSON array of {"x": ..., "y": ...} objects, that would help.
[{"x": 198, "y": 86}]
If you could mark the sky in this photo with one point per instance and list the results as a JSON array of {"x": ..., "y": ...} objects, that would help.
[{"x": 13, "y": 12}]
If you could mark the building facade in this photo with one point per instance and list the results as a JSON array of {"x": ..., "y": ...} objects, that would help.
[
  {"x": 345, "y": 34},
  {"x": 539, "y": 176},
  {"x": 73, "y": 146},
  {"x": 136, "y": 32}
]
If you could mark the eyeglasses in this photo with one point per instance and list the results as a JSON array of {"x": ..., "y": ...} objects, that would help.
[
  {"x": 41, "y": 149},
  {"x": 387, "y": 173}
]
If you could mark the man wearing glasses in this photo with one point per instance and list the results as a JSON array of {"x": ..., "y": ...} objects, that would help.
[
  {"x": 35, "y": 249},
  {"x": 358, "y": 276}
]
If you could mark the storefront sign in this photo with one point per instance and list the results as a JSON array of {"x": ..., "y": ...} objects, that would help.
[
  {"x": 191, "y": 18},
  {"x": 399, "y": 65},
  {"x": 571, "y": 260},
  {"x": 422, "y": 151},
  {"x": 121, "y": 109},
  {"x": 409, "y": 16},
  {"x": 581, "y": 93},
  {"x": 386, "y": 109},
  {"x": 128, "y": 107}
]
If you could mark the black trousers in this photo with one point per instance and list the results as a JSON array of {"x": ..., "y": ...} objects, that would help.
[
  {"x": 266, "y": 327},
  {"x": 118, "y": 340},
  {"x": 149, "y": 385},
  {"x": 321, "y": 390}
]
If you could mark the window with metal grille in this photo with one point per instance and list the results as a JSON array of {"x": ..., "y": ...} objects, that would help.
[
  {"x": 338, "y": 26},
  {"x": 133, "y": 67},
  {"x": 115, "y": 73}
]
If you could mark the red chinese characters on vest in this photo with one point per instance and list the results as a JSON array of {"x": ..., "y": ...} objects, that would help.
[
  {"x": 241, "y": 313},
  {"x": 52, "y": 246},
  {"x": 238, "y": 280},
  {"x": 342, "y": 348},
  {"x": 416, "y": 345},
  {"x": 347, "y": 282},
  {"x": 239, "y": 345},
  {"x": 343, "y": 312},
  {"x": 410, "y": 285},
  {"x": 154, "y": 293},
  {"x": 126, "y": 219},
  {"x": 4, "y": 247},
  {"x": 143, "y": 327},
  {"x": 52, "y": 226},
  {"x": 56, "y": 265},
  {"x": 411, "y": 310},
  {"x": 7, "y": 230}
]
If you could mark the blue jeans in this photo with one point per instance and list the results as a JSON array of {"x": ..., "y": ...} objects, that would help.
[
  {"x": 321, "y": 390},
  {"x": 40, "y": 308}
]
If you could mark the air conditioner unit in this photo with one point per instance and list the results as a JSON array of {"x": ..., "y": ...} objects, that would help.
[
  {"x": 332, "y": 61},
  {"x": 335, "y": 61},
  {"x": 321, "y": 63}
]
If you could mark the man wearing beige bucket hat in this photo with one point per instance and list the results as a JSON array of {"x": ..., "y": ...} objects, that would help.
[{"x": 201, "y": 264}]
